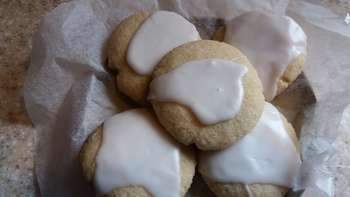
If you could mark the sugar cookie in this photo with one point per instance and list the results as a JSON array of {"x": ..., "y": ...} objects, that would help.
[
  {"x": 139, "y": 42},
  {"x": 182, "y": 121},
  {"x": 264, "y": 163},
  {"x": 275, "y": 45},
  {"x": 132, "y": 155}
]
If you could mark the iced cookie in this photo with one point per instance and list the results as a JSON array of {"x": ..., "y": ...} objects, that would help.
[
  {"x": 275, "y": 45},
  {"x": 131, "y": 155},
  {"x": 207, "y": 93},
  {"x": 263, "y": 163},
  {"x": 139, "y": 42}
]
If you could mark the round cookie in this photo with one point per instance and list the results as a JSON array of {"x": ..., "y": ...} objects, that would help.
[
  {"x": 258, "y": 189},
  {"x": 181, "y": 123},
  {"x": 137, "y": 44},
  {"x": 91, "y": 148},
  {"x": 294, "y": 66},
  {"x": 291, "y": 72},
  {"x": 128, "y": 81}
]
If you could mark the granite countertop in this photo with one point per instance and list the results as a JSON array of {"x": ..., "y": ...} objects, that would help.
[{"x": 18, "y": 20}]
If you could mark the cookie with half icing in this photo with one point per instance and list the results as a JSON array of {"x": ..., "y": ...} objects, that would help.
[
  {"x": 206, "y": 93},
  {"x": 139, "y": 42},
  {"x": 130, "y": 154},
  {"x": 275, "y": 45},
  {"x": 264, "y": 163}
]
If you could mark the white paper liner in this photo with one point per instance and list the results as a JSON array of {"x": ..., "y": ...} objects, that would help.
[{"x": 68, "y": 91}]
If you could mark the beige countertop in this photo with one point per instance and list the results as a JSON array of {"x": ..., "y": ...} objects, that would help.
[{"x": 18, "y": 20}]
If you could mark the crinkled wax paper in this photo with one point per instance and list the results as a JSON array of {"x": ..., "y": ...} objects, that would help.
[{"x": 68, "y": 91}]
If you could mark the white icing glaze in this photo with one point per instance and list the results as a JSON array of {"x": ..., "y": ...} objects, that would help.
[
  {"x": 136, "y": 151},
  {"x": 158, "y": 35},
  {"x": 211, "y": 88},
  {"x": 270, "y": 42},
  {"x": 265, "y": 155}
]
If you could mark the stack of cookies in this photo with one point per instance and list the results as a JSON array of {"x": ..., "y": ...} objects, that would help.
[{"x": 200, "y": 102}]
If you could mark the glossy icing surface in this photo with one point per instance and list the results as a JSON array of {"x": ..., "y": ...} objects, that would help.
[
  {"x": 265, "y": 155},
  {"x": 211, "y": 88},
  {"x": 158, "y": 35},
  {"x": 270, "y": 42},
  {"x": 135, "y": 151}
]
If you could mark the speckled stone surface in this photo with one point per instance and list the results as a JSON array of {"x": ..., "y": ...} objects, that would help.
[{"x": 18, "y": 20}]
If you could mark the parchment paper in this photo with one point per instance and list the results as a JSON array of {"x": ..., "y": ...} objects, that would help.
[{"x": 68, "y": 92}]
